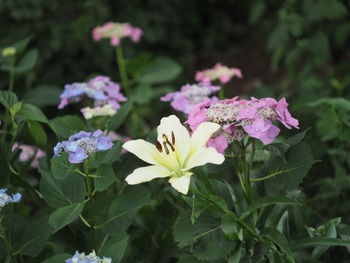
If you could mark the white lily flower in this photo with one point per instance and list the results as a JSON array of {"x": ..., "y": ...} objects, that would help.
[{"x": 174, "y": 154}]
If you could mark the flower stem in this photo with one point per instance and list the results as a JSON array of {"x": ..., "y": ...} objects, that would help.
[
  {"x": 91, "y": 205},
  {"x": 222, "y": 92},
  {"x": 122, "y": 69}
]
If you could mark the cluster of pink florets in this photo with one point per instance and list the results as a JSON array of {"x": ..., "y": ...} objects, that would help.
[
  {"x": 218, "y": 72},
  {"x": 116, "y": 32},
  {"x": 238, "y": 118}
]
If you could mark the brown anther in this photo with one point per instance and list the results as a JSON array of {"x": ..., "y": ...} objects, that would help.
[
  {"x": 171, "y": 146},
  {"x": 159, "y": 146},
  {"x": 172, "y": 138},
  {"x": 166, "y": 148}
]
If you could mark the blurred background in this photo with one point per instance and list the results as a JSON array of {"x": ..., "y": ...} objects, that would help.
[{"x": 297, "y": 49}]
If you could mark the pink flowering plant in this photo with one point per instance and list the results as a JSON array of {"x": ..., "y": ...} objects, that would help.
[{"x": 114, "y": 178}]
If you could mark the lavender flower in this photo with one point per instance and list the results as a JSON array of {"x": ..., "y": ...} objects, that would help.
[
  {"x": 80, "y": 145},
  {"x": 91, "y": 258},
  {"x": 6, "y": 199},
  {"x": 191, "y": 95},
  {"x": 101, "y": 89}
]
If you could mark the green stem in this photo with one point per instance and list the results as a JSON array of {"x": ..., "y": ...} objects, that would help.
[
  {"x": 222, "y": 92},
  {"x": 122, "y": 69},
  {"x": 246, "y": 173},
  {"x": 91, "y": 205},
  {"x": 10, "y": 88}
]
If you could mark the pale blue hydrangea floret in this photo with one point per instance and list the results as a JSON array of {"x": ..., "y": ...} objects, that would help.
[
  {"x": 81, "y": 144},
  {"x": 6, "y": 199},
  {"x": 101, "y": 89},
  {"x": 91, "y": 258}
]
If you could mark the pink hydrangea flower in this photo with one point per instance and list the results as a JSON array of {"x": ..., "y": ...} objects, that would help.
[
  {"x": 237, "y": 118},
  {"x": 116, "y": 32},
  {"x": 191, "y": 95},
  {"x": 218, "y": 72},
  {"x": 28, "y": 152}
]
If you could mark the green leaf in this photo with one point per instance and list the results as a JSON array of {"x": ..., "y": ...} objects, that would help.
[
  {"x": 110, "y": 156},
  {"x": 229, "y": 226},
  {"x": 32, "y": 113},
  {"x": 279, "y": 239},
  {"x": 105, "y": 177},
  {"x": 123, "y": 209},
  {"x": 201, "y": 236},
  {"x": 319, "y": 241},
  {"x": 120, "y": 116},
  {"x": 328, "y": 229},
  {"x": 61, "y": 167},
  {"x": 115, "y": 249},
  {"x": 236, "y": 255},
  {"x": 299, "y": 161},
  {"x": 257, "y": 12},
  {"x": 59, "y": 258},
  {"x": 37, "y": 133},
  {"x": 44, "y": 95},
  {"x": 68, "y": 125},
  {"x": 65, "y": 215},
  {"x": 59, "y": 193},
  {"x": 266, "y": 201},
  {"x": 27, "y": 62},
  {"x": 7, "y": 98},
  {"x": 159, "y": 71},
  {"x": 34, "y": 238}
]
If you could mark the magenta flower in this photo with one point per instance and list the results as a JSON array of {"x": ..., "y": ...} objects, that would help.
[
  {"x": 28, "y": 152},
  {"x": 218, "y": 72},
  {"x": 191, "y": 95},
  {"x": 237, "y": 118},
  {"x": 116, "y": 32}
]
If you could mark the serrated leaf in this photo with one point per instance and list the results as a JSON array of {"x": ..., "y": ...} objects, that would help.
[
  {"x": 59, "y": 193},
  {"x": 34, "y": 238},
  {"x": 123, "y": 209},
  {"x": 229, "y": 226},
  {"x": 116, "y": 248},
  {"x": 105, "y": 177},
  {"x": 201, "y": 236},
  {"x": 61, "y": 167},
  {"x": 68, "y": 125},
  {"x": 299, "y": 161},
  {"x": 110, "y": 156},
  {"x": 65, "y": 215},
  {"x": 120, "y": 116}
]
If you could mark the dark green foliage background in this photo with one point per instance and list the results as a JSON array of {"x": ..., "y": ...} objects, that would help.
[{"x": 293, "y": 48}]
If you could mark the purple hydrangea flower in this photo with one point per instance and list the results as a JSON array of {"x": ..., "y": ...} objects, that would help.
[
  {"x": 80, "y": 145},
  {"x": 191, "y": 95},
  {"x": 6, "y": 199},
  {"x": 91, "y": 258},
  {"x": 100, "y": 89}
]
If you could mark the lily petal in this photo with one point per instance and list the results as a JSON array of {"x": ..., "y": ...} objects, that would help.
[
  {"x": 202, "y": 134},
  {"x": 181, "y": 184},
  {"x": 144, "y": 150},
  {"x": 172, "y": 124},
  {"x": 146, "y": 174},
  {"x": 206, "y": 155}
]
